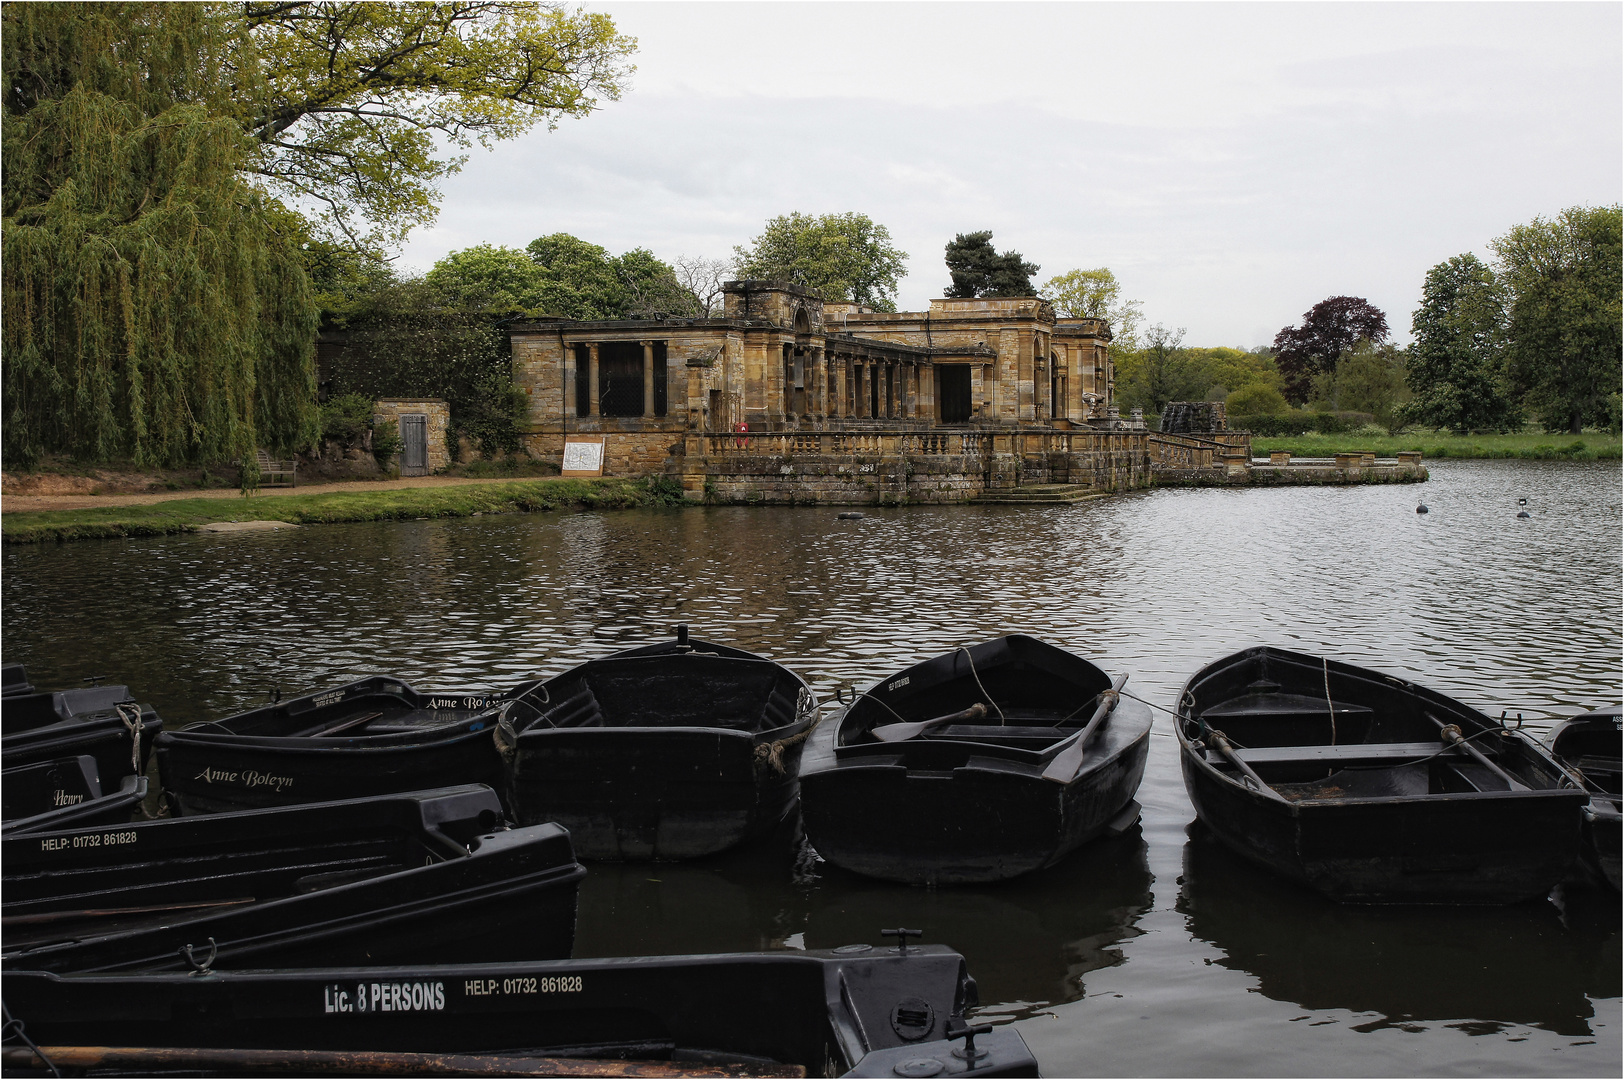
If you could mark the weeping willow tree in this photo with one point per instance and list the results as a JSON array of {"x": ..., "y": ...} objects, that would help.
[{"x": 155, "y": 306}]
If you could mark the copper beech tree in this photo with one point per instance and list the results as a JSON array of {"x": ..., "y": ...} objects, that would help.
[{"x": 1330, "y": 328}]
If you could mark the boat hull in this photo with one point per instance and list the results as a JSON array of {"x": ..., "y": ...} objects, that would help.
[
  {"x": 1365, "y": 809},
  {"x": 422, "y": 877},
  {"x": 937, "y": 812},
  {"x": 1469, "y": 848},
  {"x": 671, "y": 751},
  {"x": 52, "y": 725},
  {"x": 205, "y": 773},
  {"x": 911, "y": 825},
  {"x": 652, "y": 793},
  {"x": 861, "y": 1010},
  {"x": 283, "y": 755},
  {"x": 1590, "y": 747}
]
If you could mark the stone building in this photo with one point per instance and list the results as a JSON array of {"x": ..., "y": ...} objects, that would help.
[{"x": 781, "y": 360}]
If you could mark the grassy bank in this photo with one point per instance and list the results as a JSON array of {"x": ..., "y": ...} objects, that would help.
[
  {"x": 185, "y": 515},
  {"x": 1534, "y": 447}
]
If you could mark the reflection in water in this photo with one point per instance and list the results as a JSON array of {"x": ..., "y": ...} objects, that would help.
[
  {"x": 1497, "y": 611},
  {"x": 1527, "y": 964},
  {"x": 1028, "y": 945}
]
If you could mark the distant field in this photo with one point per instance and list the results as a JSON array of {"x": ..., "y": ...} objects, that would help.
[{"x": 1536, "y": 446}]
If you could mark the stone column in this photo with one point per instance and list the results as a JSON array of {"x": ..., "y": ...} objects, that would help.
[
  {"x": 648, "y": 378},
  {"x": 592, "y": 387},
  {"x": 820, "y": 369},
  {"x": 883, "y": 373},
  {"x": 865, "y": 392}
]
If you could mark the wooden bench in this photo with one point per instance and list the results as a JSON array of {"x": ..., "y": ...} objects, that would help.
[{"x": 274, "y": 473}]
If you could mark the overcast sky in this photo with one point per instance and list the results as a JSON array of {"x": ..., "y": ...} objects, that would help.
[{"x": 1233, "y": 164}]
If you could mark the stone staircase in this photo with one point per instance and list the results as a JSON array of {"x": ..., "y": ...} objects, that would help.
[{"x": 1039, "y": 494}]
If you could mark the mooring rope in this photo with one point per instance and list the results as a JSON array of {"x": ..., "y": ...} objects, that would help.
[
  {"x": 1325, "y": 666},
  {"x": 977, "y": 677},
  {"x": 772, "y": 754},
  {"x": 14, "y": 1029}
]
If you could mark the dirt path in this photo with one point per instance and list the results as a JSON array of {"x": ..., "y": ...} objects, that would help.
[{"x": 23, "y": 503}]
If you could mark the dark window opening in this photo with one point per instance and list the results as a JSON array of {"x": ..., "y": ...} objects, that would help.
[
  {"x": 953, "y": 390},
  {"x": 583, "y": 380},
  {"x": 661, "y": 374},
  {"x": 620, "y": 378}
]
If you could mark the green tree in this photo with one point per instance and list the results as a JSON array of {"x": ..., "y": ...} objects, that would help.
[
  {"x": 841, "y": 257},
  {"x": 341, "y": 275},
  {"x": 1456, "y": 364},
  {"x": 1158, "y": 372},
  {"x": 1564, "y": 320},
  {"x": 487, "y": 277},
  {"x": 1233, "y": 369},
  {"x": 1095, "y": 294},
  {"x": 649, "y": 288},
  {"x": 155, "y": 304},
  {"x": 579, "y": 280},
  {"x": 1370, "y": 379},
  {"x": 351, "y": 101},
  {"x": 979, "y": 270},
  {"x": 406, "y": 341},
  {"x": 1258, "y": 399}
]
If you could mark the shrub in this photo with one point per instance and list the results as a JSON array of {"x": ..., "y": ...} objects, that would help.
[
  {"x": 1259, "y": 399},
  {"x": 345, "y": 419},
  {"x": 386, "y": 441},
  {"x": 1292, "y": 423}
]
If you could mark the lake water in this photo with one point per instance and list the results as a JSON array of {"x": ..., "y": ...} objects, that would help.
[{"x": 1157, "y": 954}]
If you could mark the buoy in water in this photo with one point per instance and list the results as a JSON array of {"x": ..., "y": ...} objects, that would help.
[
  {"x": 1524, "y": 513},
  {"x": 1421, "y": 508},
  {"x": 849, "y": 515}
]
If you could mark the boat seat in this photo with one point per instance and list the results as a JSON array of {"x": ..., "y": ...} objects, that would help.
[
  {"x": 1341, "y": 754},
  {"x": 779, "y": 711},
  {"x": 1023, "y": 732},
  {"x": 1277, "y": 707},
  {"x": 416, "y": 720}
]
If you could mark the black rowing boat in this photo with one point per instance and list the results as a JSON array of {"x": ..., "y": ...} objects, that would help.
[
  {"x": 1369, "y": 788},
  {"x": 671, "y": 751},
  {"x": 424, "y": 876},
  {"x": 65, "y": 793},
  {"x": 100, "y": 722},
  {"x": 373, "y": 736},
  {"x": 1591, "y": 747},
  {"x": 14, "y": 680},
  {"x": 980, "y": 764},
  {"x": 858, "y": 1011}
]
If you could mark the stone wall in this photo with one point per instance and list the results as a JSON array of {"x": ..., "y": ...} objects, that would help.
[
  {"x": 439, "y": 419},
  {"x": 625, "y": 453},
  {"x": 895, "y": 468}
]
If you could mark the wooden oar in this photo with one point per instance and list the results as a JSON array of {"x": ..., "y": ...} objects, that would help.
[
  {"x": 345, "y": 725},
  {"x": 105, "y": 913},
  {"x": 1220, "y": 742},
  {"x": 1451, "y": 734},
  {"x": 1068, "y": 753},
  {"x": 901, "y": 732},
  {"x": 119, "y": 1059}
]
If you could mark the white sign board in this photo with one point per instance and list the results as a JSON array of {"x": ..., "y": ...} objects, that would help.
[{"x": 583, "y": 457}]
